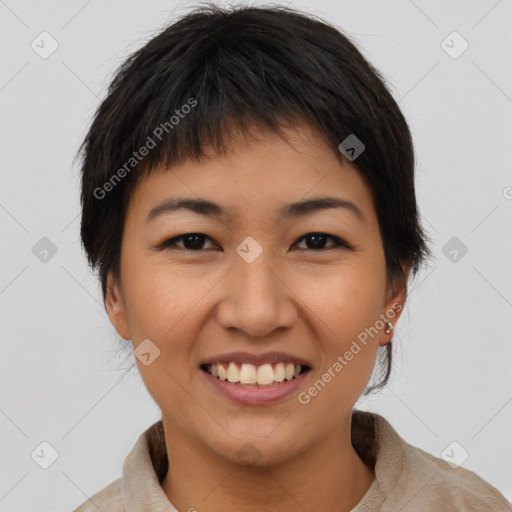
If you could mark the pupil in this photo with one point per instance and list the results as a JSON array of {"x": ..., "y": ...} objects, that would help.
[
  {"x": 197, "y": 242},
  {"x": 316, "y": 239}
]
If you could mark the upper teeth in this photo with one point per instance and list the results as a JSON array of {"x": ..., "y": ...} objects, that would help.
[{"x": 264, "y": 374}]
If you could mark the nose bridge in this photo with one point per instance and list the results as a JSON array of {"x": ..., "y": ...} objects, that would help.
[
  {"x": 254, "y": 299},
  {"x": 256, "y": 280}
]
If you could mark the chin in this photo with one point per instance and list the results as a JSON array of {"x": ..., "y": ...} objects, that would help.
[{"x": 257, "y": 447}]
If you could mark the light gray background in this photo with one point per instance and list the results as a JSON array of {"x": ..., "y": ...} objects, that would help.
[{"x": 60, "y": 379}]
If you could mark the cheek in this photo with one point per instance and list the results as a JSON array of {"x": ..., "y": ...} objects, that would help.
[
  {"x": 163, "y": 306},
  {"x": 162, "y": 297},
  {"x": 347, "y": 304},
  {"x": 347, "y": 301}
]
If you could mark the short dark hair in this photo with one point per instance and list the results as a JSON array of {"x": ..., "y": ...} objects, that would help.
[{"x": 243, "y": 67}]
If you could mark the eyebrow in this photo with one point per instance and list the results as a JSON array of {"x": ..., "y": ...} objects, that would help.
[{"x": 288, "y": 211}]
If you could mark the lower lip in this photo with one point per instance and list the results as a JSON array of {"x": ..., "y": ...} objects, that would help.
[{"x": 254, "y": 394}]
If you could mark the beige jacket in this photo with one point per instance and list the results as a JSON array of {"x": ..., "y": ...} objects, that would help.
[{"x": 407, "y": 479}]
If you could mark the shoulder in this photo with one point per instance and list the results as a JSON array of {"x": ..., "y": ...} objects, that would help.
[
  {"x": 431, "y": 480},
  {"x": 412, "y": 480},
  {"x": 108, "y": 499}
]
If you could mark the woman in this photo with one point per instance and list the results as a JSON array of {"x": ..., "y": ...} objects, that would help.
[{"x": 248, "y": 200}]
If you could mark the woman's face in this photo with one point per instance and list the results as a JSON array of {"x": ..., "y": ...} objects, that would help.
[{"x": 251, "y": 283}]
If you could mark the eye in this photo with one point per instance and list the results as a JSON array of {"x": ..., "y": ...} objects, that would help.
[
  {"x": 195, "y": 242},
  {"x": 191, "y": 242},
  {"x": 318, "y": 241}
]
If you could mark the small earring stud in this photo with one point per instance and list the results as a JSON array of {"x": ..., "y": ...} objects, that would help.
[{"x": 390, "y": 326}]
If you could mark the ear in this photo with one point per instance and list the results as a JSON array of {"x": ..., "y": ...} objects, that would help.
[
  {"x": 115, "y": 307},
  {"x": 393, "y": 306}
]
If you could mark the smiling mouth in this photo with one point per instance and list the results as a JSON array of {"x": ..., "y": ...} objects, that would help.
[{"x": 245, "y": 374}]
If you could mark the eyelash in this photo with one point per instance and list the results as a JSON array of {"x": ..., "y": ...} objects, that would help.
[{"x": 339, "y": 243}]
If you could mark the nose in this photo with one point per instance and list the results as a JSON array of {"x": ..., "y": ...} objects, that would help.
[{"x": 255, "y": 298}]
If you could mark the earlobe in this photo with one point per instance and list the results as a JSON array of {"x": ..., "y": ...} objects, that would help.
[
  {"x": 115, "y": 308},
  {"x": 393, "y": 309}
]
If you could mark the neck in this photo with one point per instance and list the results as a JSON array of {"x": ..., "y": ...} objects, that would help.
[{"x": 328, "y": 476}]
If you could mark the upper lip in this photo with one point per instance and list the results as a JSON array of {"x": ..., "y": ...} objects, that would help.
[{"x": 257, "y": 359}]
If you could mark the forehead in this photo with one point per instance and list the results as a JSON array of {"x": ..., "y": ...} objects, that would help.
[{"x": 256, "y": 176}]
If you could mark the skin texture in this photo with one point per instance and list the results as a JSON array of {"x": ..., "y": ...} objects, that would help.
[{"x": 294, "y": 298}]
